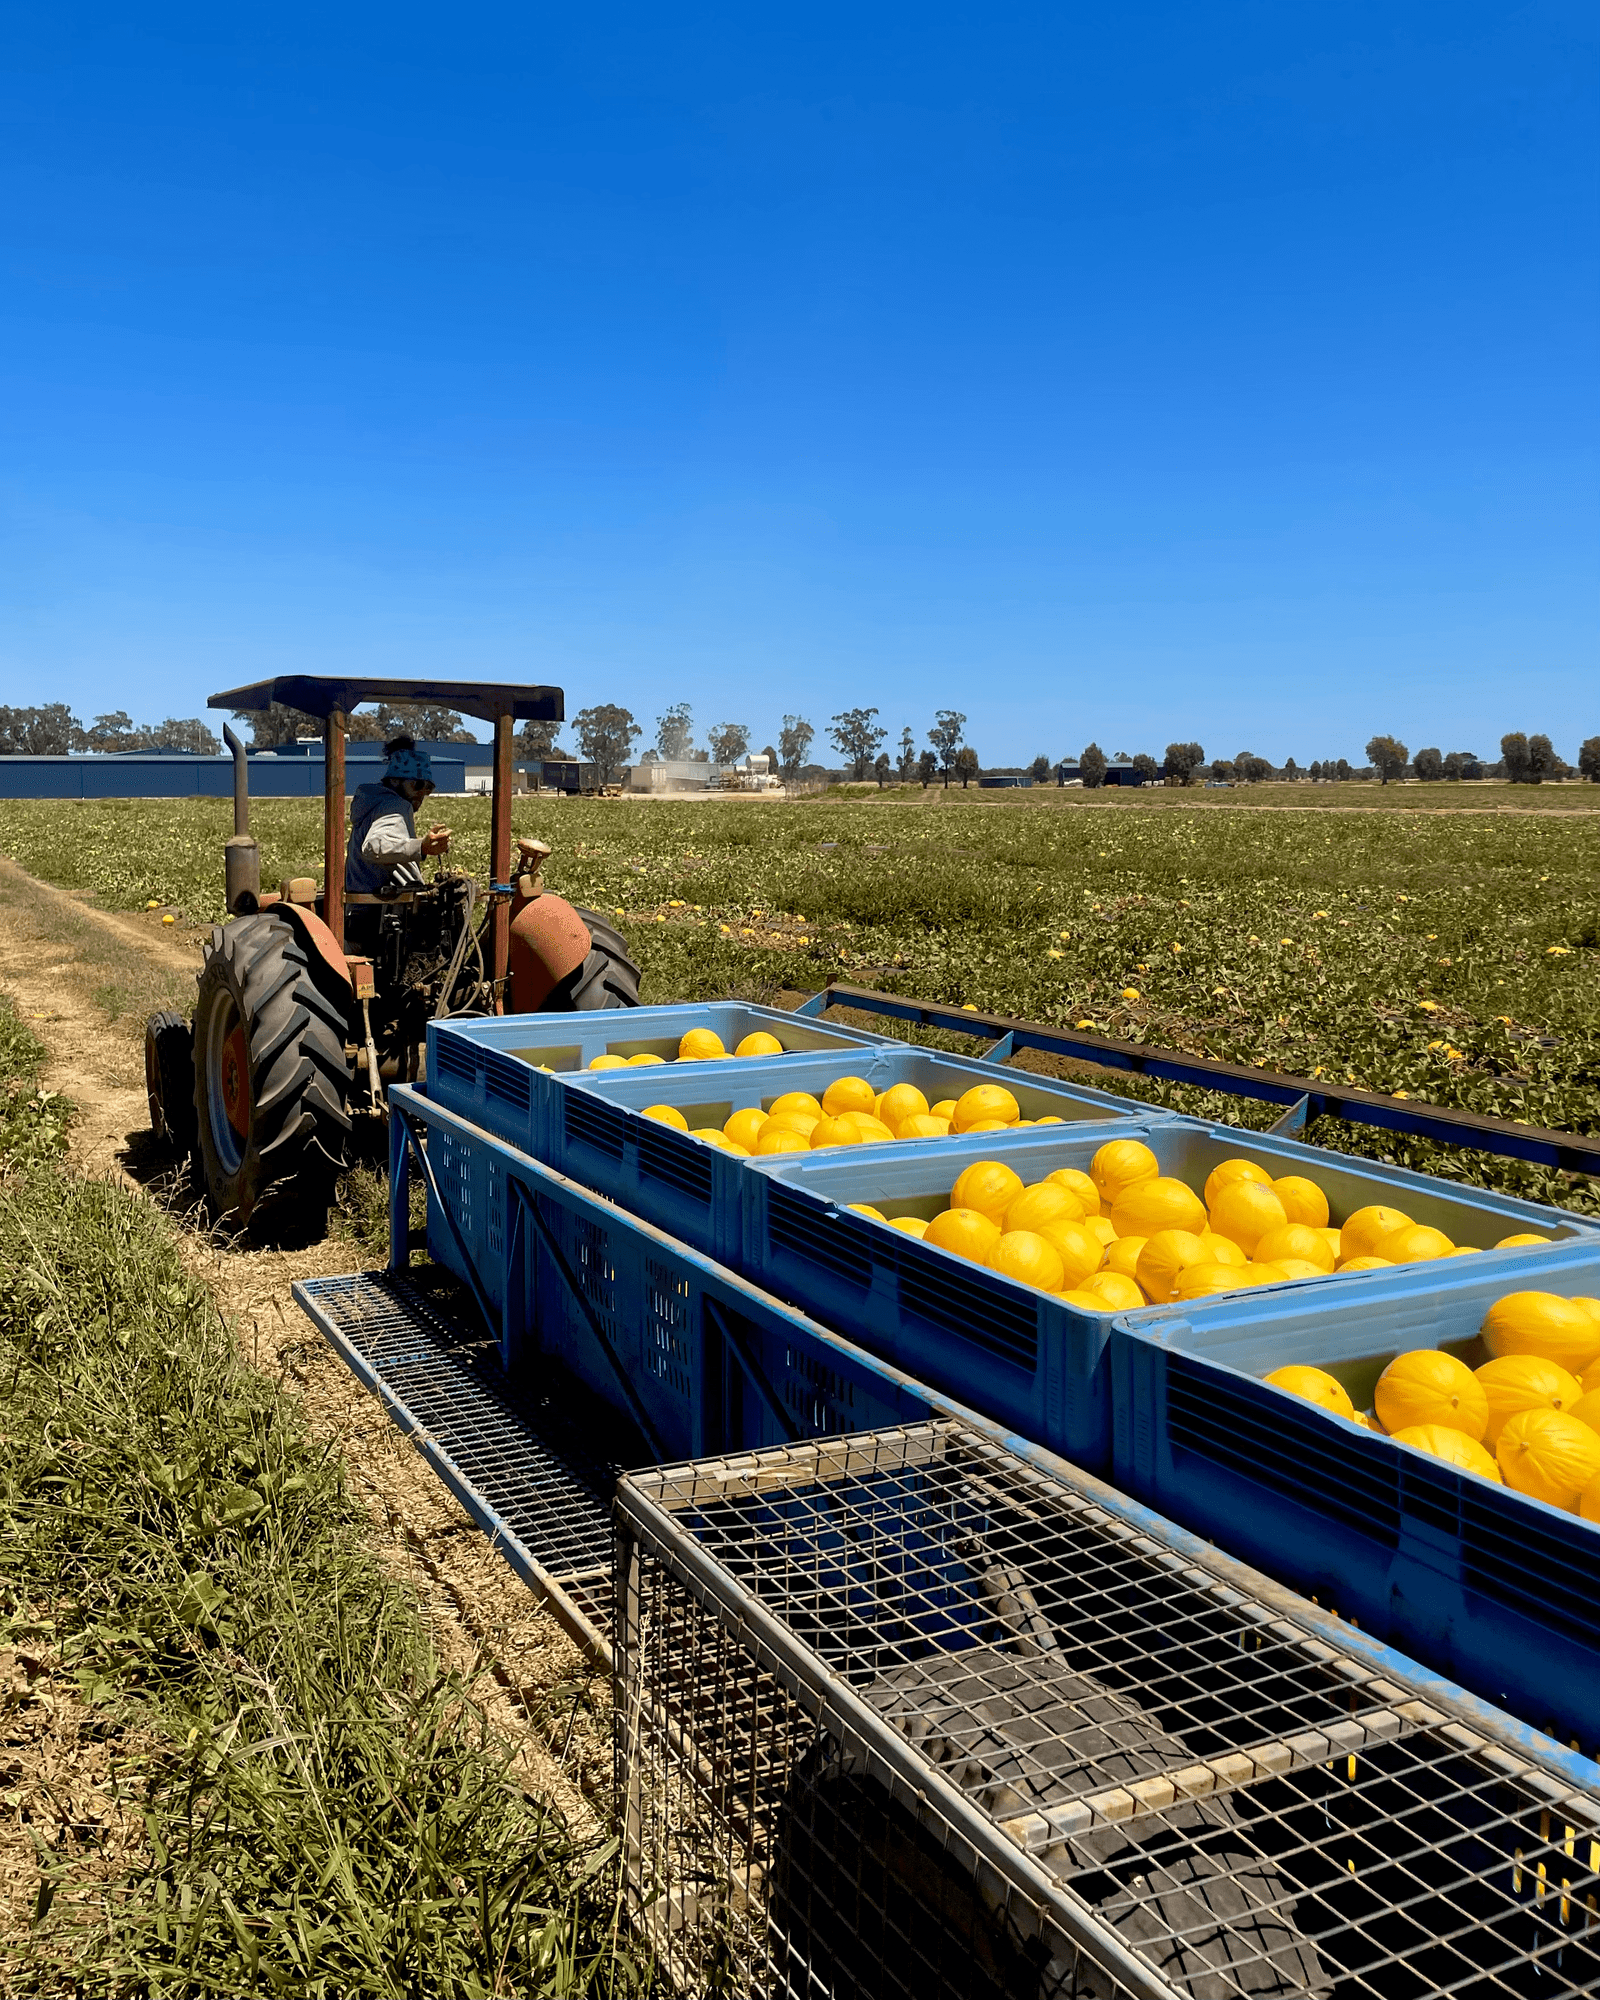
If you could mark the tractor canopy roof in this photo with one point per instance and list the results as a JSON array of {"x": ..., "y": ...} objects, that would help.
[{"x": 319, "y": 694}]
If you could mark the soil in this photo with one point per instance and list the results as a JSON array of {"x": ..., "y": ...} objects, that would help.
[{"x": 72, "y": 971}]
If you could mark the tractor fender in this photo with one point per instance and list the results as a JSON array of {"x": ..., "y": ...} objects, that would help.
[
  {"x": 322, "y": 947},
  {"x": 549, "y": 941}
]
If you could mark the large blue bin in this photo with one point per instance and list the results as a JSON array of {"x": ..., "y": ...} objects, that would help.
[
  {"x": 505, "y": 1073},
  {"x": 1500, "y": 1592},
  {"x": 596, "y": 1135},
  {"x": 1019, "y": 1355},
  {"x": 702, "y": 1361}
]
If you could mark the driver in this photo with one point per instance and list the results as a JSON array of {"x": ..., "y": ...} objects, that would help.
[{"x": 384, "y": 854}]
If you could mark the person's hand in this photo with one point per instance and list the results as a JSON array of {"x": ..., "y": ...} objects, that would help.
[{"x": 436, "y": 840}]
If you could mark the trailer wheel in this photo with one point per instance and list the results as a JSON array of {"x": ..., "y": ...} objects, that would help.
[
  {"x": 169, "y": 1080},
  {"x": 607, "y": 977},
  {"x": 271, "y": 1083}
]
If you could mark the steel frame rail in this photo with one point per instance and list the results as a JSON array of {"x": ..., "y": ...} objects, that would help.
[{"x": 1304, "y": 1097}]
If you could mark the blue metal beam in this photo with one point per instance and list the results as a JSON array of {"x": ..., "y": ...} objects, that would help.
[{"x": 1302, "y": 1097}]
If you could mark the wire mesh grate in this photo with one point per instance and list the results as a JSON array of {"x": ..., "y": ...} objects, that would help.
[
  {"x": 903, "y": 1714},
  {"x": 534, "y": 1476}
]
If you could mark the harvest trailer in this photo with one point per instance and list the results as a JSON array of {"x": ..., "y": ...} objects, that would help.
[{"x": 906, "y": 1702}]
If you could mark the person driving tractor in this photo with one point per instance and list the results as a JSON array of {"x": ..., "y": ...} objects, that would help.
[{"x": 384, "y": 853}]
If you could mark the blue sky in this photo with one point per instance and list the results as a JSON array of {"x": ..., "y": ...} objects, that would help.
[{"x": 1128, "y": 373}]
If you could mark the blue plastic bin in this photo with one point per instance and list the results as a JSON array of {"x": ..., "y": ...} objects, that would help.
[
  {"x": 1499, "y": 1592},
  {"x": 588, "y": 1127},
  {"x": 660, "y": 1333},
  {"x": 502, "y": 1073},
  {"x": 1016, "y": 1354},
  {"x": 692, "y": 1189}
]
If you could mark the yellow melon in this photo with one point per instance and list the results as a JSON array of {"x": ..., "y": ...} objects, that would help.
[
  {"x": 925, "y": 1126},
  {"x": 1453, "y": 1446},
  {"x": 1119, "y": 1165},
  {"x": 899, "y": 1102},
  {"x": 1428, "y": 1386},
  {"x": 1081, "y": 1185},
  {"x": 779, "y": 1139},
  {"x": 744, "y": 1127},
  {"x": 802, "y": 1122},
  {"x": 964, "y": 1232},
  {"x": 1045, "y": 1201},
  {"x": 1204, "y": 1281},
  {"x": 759, "y": 1044},
  {"x": 1075, "y": 1243},
  {"x": 1548, "y": 1455},
  {"x": 1316, "y": 1386},
  {"x": 1297, "y": 1240},
  {"x": 1363, "y": 1231},
  {"x": 848, "y": 1093},
  {"x": 1029, "y": 1259},
  {"x": 1416, "y": 1243},
  {"x": 1168, "y": 1252},
  {"x": 1123, "y": 1255},
  {"x": 1230, "y": 1171},
  {"x": 985, "y": 1103},
  {"x": 1545, "y": 1324},
  {"x": 1162, "y": 1202},
  {"x": 1121, "y": 1293},
  {"x": 1517, "y": 1382},
  {"x": 988, "y": 1186},
  {"x": 835, "y": 1132},
  {"x": 1303, "y": 1201},
  {"x": 1244, "y": 1211}
]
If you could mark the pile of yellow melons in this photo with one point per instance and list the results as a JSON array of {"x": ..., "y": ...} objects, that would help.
[
  {"x": 851, "y": 1113},
  {"x": 1528, "y": 1418},
  {"x": 1125, "y": 1235},
  {"x": 699, "y": 1045}
]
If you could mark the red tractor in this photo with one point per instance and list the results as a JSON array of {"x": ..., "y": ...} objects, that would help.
[{"x": 306, "y": 986}]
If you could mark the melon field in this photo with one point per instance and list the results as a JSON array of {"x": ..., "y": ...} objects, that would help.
[{"x": 1448, "y": 955}]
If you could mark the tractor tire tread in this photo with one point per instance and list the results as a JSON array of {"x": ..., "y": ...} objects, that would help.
[
  {"x": 169, "y": 1068},
  {"x": 300, "y": 1121},
  {"x": 608, "y": 977}
]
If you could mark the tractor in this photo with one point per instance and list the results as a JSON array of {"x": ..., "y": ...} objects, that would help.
[{"x": 305, "y": 987}]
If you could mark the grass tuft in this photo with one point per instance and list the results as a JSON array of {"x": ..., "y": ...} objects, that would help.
[{"x": 327, "y": 1813}]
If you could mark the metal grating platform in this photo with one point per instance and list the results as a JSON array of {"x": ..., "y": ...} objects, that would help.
[
  {"x": 906, "y": 1715},
  {"x": 539, "y": 1486}
]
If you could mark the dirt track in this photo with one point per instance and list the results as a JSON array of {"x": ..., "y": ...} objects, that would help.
[{"x": 84, "y": 980}]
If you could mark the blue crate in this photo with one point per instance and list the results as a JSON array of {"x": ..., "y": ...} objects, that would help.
[
  {"x": 504, "y": 1073},
  {"x": 699, "y": 1359},
  {"x": 1013, "y": 1353},
  {"x": 1498, "y": 1592},
  {"x": 588, "y": 1127}
]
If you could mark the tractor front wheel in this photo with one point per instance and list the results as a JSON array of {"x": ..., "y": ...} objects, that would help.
[
  {"x": 169, "y": 1080},
  {"x": 271, "y": 1082}
]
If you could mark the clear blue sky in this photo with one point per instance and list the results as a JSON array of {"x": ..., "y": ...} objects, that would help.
[{"x": 1217, "y": 371}]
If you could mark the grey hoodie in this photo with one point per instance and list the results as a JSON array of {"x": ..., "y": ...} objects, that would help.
[{"x": 384, "y": 851}]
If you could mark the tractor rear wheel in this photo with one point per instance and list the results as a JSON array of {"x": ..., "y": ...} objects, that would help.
[
  {"x": 271, "y": 1082},
  {"x": 607, "y": 977},
  {"x": 169, "y": 1080}
]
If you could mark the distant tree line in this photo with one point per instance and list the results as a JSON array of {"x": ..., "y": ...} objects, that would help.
[
  {"x": 606, "y": 734},
  {"x": 54, "y": 731}
]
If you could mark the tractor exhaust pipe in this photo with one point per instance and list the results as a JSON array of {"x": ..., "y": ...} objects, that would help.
[{"x": 241, "y": 857}]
